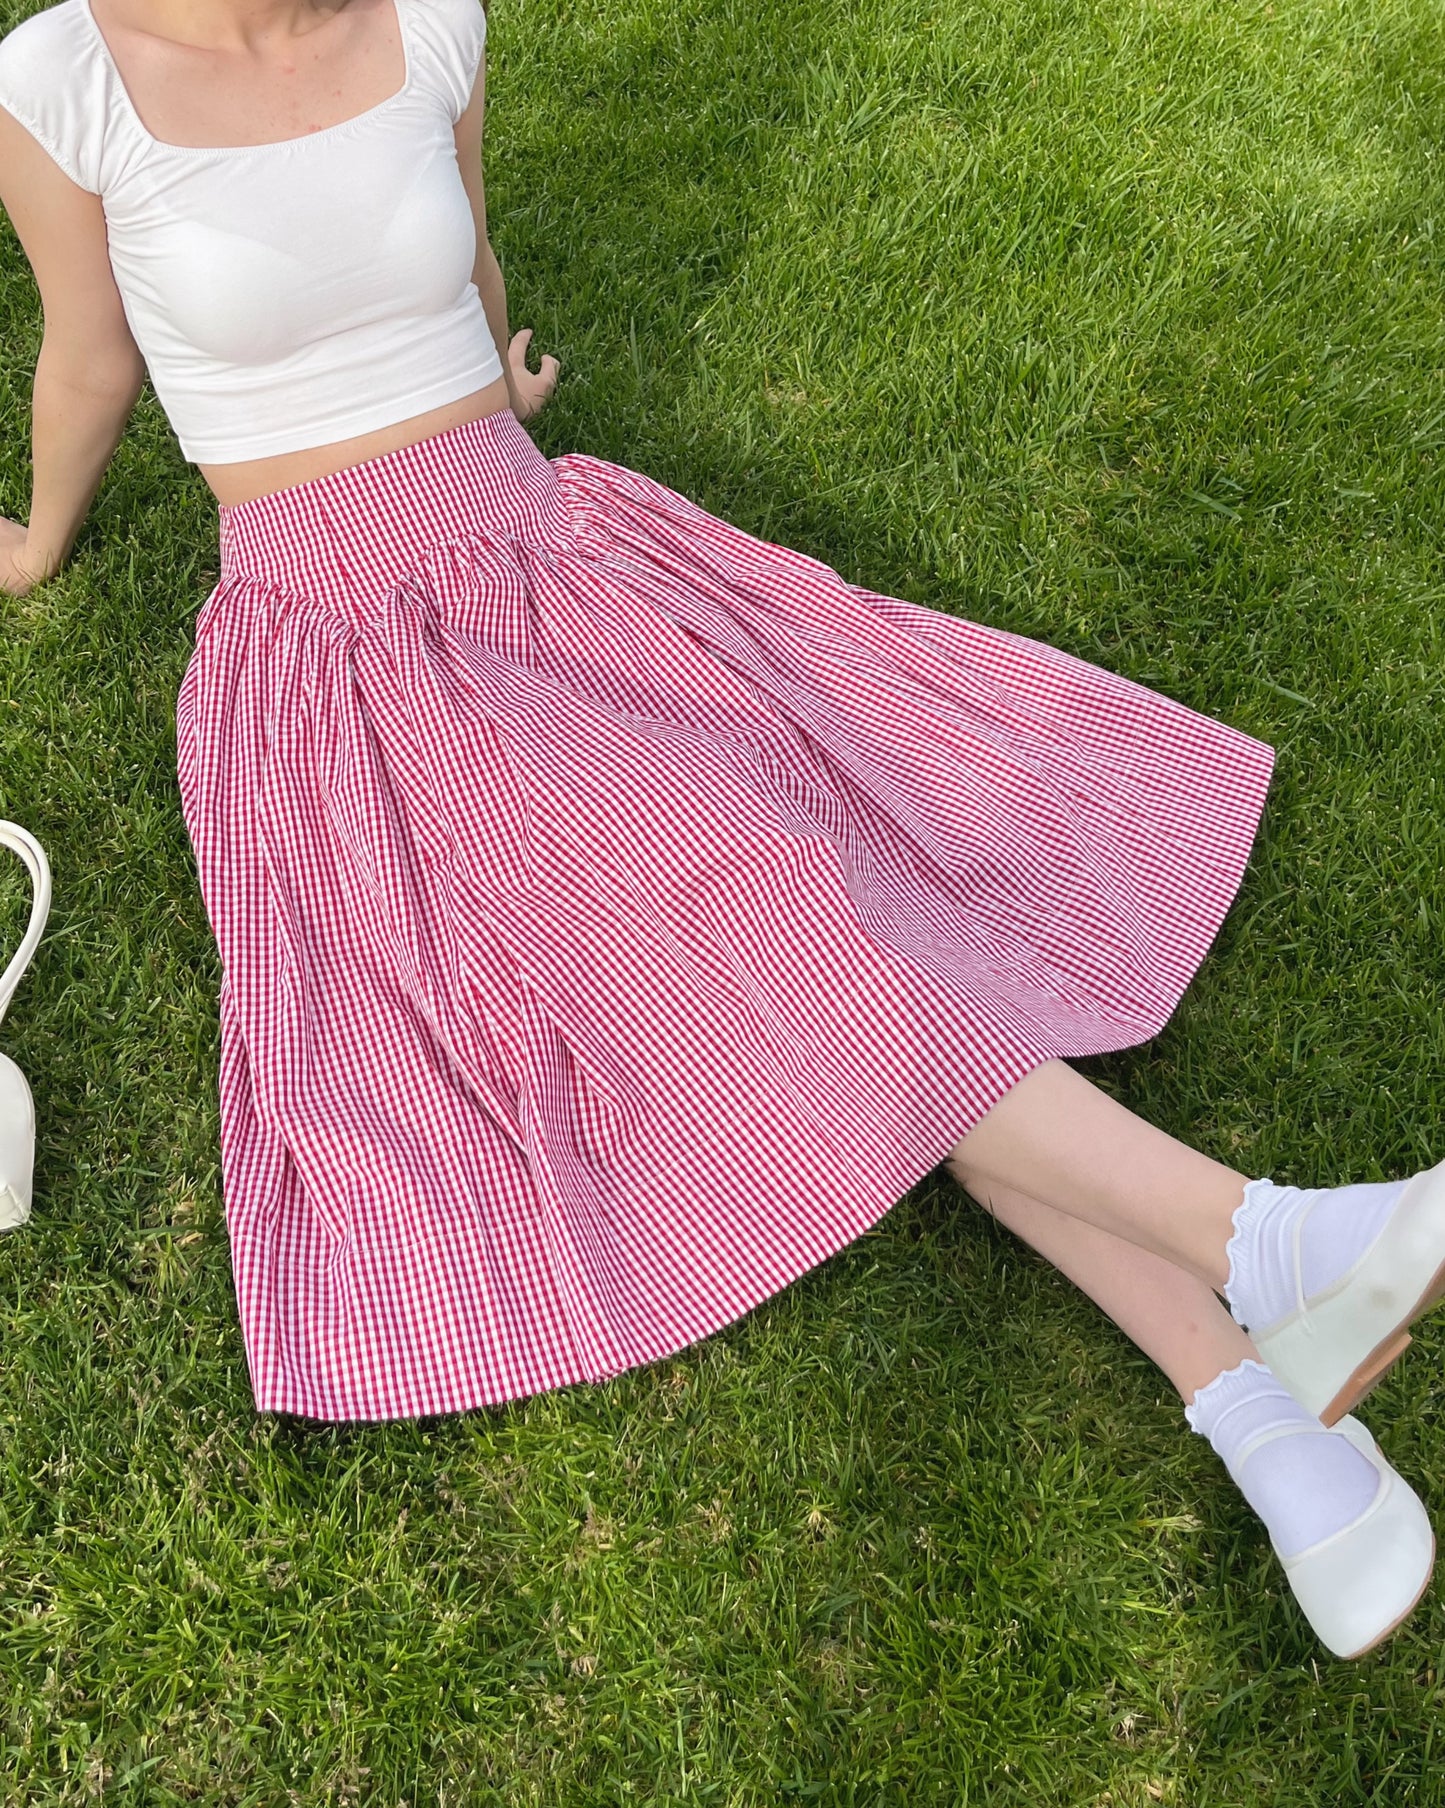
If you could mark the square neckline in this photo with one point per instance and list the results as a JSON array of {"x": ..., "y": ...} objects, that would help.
[{"x": 270, "y": 144}]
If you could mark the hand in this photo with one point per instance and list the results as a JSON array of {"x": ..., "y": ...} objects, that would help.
[
  {"x": 529, "y": 392},
  {"x": 16, "y": 575}
]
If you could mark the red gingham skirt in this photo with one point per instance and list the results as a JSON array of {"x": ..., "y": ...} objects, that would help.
[{"x": 618, "y": 913}]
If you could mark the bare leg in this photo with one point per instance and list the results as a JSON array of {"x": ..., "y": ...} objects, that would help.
[
  {"x": 1057, "y": 1139},
  {"x": 1175, "y": 1319}
]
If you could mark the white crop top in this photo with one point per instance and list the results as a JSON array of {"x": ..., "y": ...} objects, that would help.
[{"x": 283, "y": 295}]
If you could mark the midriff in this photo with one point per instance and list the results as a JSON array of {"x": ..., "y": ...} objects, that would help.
[{"x": 233, "y": 484}]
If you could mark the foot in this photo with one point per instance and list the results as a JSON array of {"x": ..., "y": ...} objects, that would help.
[
  {"x": 1352, "y": 1536},
  {"x": 1328, "y": 1282},
  {"x": 1360, "y": 1585}
]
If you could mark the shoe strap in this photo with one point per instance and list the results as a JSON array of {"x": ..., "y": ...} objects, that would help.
[
  {"x": 1273, "y": 1433},
  {"x": 22, "y": 842},
  {"x": 1297, "y": 1256}
]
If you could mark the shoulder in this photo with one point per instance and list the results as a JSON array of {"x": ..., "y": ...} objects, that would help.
[
  {"x": 47, "y": 45},
  {"x": 54, "y": 82},
  {"x": 446, "y": 37}
]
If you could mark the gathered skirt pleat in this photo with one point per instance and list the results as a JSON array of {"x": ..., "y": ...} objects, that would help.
[{"x": 618, "y": 913}]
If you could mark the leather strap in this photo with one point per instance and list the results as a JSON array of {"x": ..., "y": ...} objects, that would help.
[{"x": 22, "y": 842}]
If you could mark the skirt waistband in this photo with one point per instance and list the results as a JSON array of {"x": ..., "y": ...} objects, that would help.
[{"x": 356, "y": 532}]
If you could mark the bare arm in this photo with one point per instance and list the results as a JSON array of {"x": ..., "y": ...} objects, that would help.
[
  {"x": 527, "y": 391},
  {"x": 89, "y": 371}
]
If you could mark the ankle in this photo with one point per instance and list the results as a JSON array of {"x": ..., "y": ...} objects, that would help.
[
  {"x": 1304, "y": 1481},
  {"x": 1289, "y": 1243}
]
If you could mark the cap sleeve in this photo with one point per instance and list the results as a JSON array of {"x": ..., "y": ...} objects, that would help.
[
  {"x": 446, "y": 39},
  {"x": 53, "y": 84}
]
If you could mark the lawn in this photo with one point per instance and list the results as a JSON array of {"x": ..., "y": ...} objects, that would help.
[{"x": 1113, "y": 322}]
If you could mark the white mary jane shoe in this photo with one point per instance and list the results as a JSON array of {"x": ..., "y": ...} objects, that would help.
[
  {"x": 1358, "y": 1585},
  {"x": 17, "y": 1108},
  {"x": 1338, "y": 1343}
]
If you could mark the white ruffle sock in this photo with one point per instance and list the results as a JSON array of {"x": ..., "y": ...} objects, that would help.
[
  {"x": 1327, "y": 1280},
  {"x": 1354, "y": 1540},
  {"x": 1304, "y": 1482},
  {"x": 1293, "y": 1242}
]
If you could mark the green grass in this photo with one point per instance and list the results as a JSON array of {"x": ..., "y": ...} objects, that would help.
[{"x": 1111, "y": 322}]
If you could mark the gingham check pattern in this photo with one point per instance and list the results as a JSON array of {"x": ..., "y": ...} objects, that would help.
[{"x": 618, "y": 913}]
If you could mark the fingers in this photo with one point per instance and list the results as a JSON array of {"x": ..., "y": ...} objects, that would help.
[
  {"x": 532, "y": 387},
  {"x": 517, "y": 354},
  {"x": 15, "y": 579},
  {"x": 545, "y": 381}
]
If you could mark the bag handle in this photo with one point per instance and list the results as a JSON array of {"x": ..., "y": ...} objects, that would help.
[{"x": 22, "y": 842}]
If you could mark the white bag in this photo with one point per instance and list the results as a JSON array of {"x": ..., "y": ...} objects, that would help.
[{"x": 17, "y": 1108}]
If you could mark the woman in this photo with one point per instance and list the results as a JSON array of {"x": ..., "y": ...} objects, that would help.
[{"x": 617, "y": 913}]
